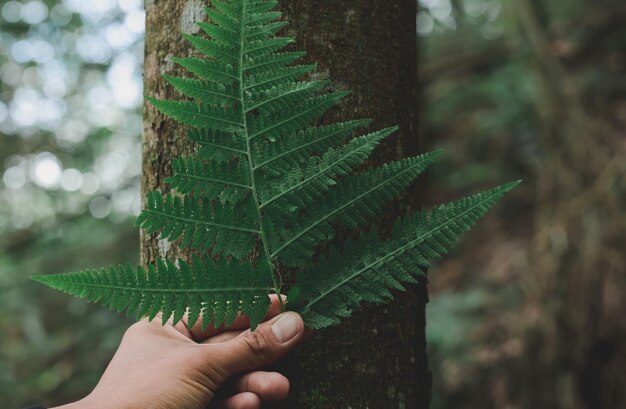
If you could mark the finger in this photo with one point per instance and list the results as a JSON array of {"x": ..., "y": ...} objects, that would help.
[
  {"x": 156, "y": 325},
  {"x": 228, "y": 335},
  {"x": 266, "y": 385},
  {"x": 241, "y": 322},
  {"x": 253, "y": 349},
  {"x": 245, "y": 400},
  {"x": 223, "y": 337}
]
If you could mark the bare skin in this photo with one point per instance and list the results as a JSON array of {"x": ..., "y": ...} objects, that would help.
[{"x": 171, "y": 367}]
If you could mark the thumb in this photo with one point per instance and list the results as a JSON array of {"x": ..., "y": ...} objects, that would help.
[{"x": 268, "y": 342}]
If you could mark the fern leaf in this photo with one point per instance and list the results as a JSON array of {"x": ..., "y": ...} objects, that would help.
[
  {"x": 223, "y": 20},
  {"x": 264, "y": 31},
  {"x": 230, "y": 9},
  {"x": 230, "y": 180},
  {"x": 264, "y": 80},
  {"x": 261, "y": 6},
  {"x": 199, "y": 115},
  {"x": 307, "y": 184},
  {"x": 368, "y": 269},
  {"x": 219, "y": 34},
  {"x": 217, "y": 146},
  {"x": 275, "y": 99},
  {"x": 227, "y": 54},
  {"x": 257, "y": 17},
  {"x": 215, "y": 71},
  {"x": 203, "y": 288},
  {"x": 294, "y": 118},
  {"x": 202, "y": 225},
  {"x": 352, "y": 202},
  {"x": 205, "y": 91},
  {"x": 268, "y": 63},
  {"x": 289, "y": 150},
  {"x": 260, "y": 48}
]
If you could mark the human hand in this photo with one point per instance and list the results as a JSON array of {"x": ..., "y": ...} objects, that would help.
[{"x": 171, "y": 367}]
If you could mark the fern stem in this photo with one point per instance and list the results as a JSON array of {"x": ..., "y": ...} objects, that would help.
[{"x": 275, "y": 280}]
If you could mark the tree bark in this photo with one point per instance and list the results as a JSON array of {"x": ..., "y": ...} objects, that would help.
[{"x": 376, "y": 359}]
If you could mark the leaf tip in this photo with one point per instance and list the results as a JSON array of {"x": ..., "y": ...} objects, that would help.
[
  {"x": 40, "y": 278},
  {"x": 511, "y": 185}
]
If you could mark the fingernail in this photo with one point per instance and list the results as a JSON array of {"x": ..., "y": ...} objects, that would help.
[{"x": 286, "y": 326}]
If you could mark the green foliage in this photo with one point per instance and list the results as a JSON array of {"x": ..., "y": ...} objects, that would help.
[
  {"x": 368, "y": 268},
  {"x": 172, "y": 289},
  {"x": 267, "y": 182}
]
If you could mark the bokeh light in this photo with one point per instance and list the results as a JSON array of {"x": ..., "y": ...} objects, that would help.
[
  {"x": 14, "y": 178},
  {"x": 71, "y": 81},
  {"x": 47, "y": 170}
]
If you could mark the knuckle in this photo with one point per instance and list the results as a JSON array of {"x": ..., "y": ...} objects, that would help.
[{"x": 258, "y": 343}]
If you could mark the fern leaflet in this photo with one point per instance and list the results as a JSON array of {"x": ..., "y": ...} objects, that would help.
[{"x": 202, "y": 287}]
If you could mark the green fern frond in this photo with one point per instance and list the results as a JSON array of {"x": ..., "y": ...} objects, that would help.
[
  {"x": 203, "y": 288},
  {"x": 268, "y": 182},
  {"x": 368, "y": 269}
]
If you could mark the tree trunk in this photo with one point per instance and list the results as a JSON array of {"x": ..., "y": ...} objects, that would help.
[{"x": 376, "y": 359}]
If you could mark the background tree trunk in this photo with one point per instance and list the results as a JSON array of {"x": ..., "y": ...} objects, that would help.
[{"x": 377, "y": 359}]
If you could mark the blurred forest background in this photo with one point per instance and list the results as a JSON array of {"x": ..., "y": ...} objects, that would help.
[{"x": 528, "y": 311}]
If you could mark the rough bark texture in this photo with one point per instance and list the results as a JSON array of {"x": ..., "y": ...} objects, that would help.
[{"x": 376, "y": 359}]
